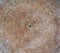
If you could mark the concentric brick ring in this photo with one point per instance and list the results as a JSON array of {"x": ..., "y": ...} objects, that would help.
[{"x": 29, "y": 28}]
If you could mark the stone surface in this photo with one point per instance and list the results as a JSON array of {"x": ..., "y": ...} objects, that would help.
[{"x": 29, "y": 26}]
